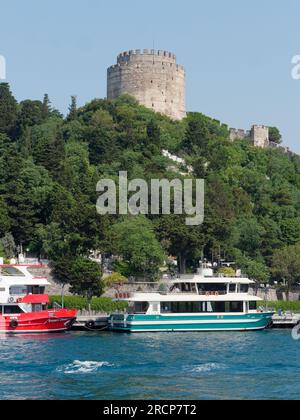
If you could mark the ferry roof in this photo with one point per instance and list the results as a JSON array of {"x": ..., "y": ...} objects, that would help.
[
  {"x": 23, "y": 281},
  {"x": 216, "y": 280},
  {"x": 18, "y": 275},
  {"x": 181, "y": 297}
]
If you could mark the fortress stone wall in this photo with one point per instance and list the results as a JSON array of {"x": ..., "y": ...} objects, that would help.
[
  {"x": 153, "y": 77},
  {"x": 258, "y": 135}
]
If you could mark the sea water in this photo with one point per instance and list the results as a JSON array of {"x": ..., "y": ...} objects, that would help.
[{"x": 250, "y": 365}]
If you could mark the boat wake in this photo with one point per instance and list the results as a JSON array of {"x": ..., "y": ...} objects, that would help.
[
  {"x": 78, "y": 367},
  {"x": 208, "y": 367}
]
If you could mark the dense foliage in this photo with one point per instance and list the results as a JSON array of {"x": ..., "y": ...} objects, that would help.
[
  {"x": 50, "y": 165},
  {"x": 292, "y": 306},
  {"x": 100, "y": 305}
]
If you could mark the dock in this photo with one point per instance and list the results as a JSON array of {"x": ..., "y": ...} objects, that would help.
[
  {"x": 286, "y": 320},
  {"x": 91, "y": 322}
]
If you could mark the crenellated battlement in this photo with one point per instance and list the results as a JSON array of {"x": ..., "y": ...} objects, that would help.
[{"x": 127, "y": 55}]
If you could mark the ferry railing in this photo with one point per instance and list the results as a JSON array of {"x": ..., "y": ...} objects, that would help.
[
  {"x": 213, "y": 293},
  {"x": 56, "y": 306}
]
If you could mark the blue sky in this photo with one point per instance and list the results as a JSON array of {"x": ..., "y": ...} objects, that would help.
[{"x": 237, "y": 54}]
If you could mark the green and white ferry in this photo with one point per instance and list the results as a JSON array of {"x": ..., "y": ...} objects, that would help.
[{"x": 203, "y": 302}]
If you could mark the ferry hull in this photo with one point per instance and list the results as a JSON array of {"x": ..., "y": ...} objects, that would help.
[
  {"x": 137, "y": 323},
  {"x": 38, "y": 323}
]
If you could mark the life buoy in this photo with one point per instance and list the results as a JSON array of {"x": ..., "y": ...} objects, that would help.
[
  {"x": 19, "y": 300},
  {"x": 14, "y": 324},
  {"x": 217, "y": 294},
  {"x": 207, "y": 294},
  {"x": 90, "y": 324},
  {"x": 11, "y": 300}
]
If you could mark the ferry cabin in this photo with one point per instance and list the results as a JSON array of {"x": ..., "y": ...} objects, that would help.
[
  {"x": 209, "y": 304},
  {"x": 21, "y": 292},
  {"x": 24, "y": 304}
]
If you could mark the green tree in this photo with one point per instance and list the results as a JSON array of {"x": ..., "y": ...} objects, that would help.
[
  {"x": 182, "y": 241},
  {"x": 286, "y": 265},
  {"x": 101, "y": 136},
  {"x": 46, "y": 107},
  {"x": 61, "y": 270},
  {"x": 86, "y": 278},
  {"x": 30, "y": 113},
  {"x": 72, "y": 109},
  {"x": 255, "y": 269},
  {"x": 5, "y": 222},
  {"x": 275, "y": 135},
  {"x": 197, "y": 134},
  {"x": 9, "y": 246},
  {"x": 48, "y": 147},
  {"x": 114, "y": 280},
  {"x": 134, "y": 239},
  {"x": 8, "y": 110}
]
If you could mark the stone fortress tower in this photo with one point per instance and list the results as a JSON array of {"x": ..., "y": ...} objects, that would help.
[
  {"x": 258, "y": 135},
  {"x": 153, "y": 77}
]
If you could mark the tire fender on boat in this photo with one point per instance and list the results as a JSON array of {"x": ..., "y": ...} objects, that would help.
[
  {"x": 90, "y": 324},
  {"x": 14, "y": 324}
]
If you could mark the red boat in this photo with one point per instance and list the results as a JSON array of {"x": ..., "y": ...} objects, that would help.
[{"x": 24, "y": 304}]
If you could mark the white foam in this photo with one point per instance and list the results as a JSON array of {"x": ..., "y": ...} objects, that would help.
[
  {"x": 78, "y": 367},
  {"x": 208, "y": 367}
]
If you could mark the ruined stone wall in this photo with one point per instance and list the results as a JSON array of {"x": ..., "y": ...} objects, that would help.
[
  {"x": 258, "y": 135},
  {"x": 153, "y": 77},
  {"x": 238, "y": 134}
]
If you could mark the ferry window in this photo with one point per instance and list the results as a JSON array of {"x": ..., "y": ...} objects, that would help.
[
  {"x": 37, "y": 307},
  {"x": 236, "y": 307},
  {"x": 141, "y": 307},
  {"x": 212, "y": 288},
  {"x": 11, "y": 272},
  {"x": 18, "y": 290},
  {"x": 244, "y": 288},
  {"x": 166, "y": 308},
  {"x": 198, "y": 307},
  {"x": 35, "y": 290},
  {"x": 215, "y": 307},
  {"x": 182, "y": 307},
  {"x": 252, "y": 306},
  {"x": 12, "y": 310},
  {"x": 232, "y": 288}
]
